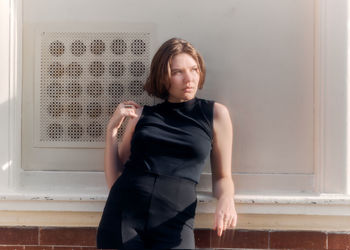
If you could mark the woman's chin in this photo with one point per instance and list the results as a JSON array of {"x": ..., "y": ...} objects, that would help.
[
  {"x": 183, "y": 98},
  {"x": 187, "y": 98},
  {"x": 189, "y": 95}
]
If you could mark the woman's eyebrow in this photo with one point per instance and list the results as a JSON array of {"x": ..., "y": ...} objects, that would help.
[{"x": 193, "y": 66}]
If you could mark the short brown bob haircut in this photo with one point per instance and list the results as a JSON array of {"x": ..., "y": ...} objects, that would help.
[{"x": 157, "y": 83}]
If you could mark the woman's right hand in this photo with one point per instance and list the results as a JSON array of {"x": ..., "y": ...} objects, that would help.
[{"x": 123, "y": 110}]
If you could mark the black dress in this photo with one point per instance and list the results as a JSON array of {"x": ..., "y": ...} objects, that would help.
[{"x": 152, "y": 204}]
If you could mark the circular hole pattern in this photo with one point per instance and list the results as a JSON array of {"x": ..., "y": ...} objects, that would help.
[
  {"x": 55, "y": 109},
  {"x": 56, "y": 48},
  {"x": 74, "y": 109},
  {"x": 94, "y": 89},
  {"x": 74, "y": 89},
  {"x": 74, "y": 69},
  {"x": 78, "y": 48},
  {"x": 56, "y": 70},
  {"x": 75, "y": 131},
  {"x": 118, "y": 47},
  {"x": 111, "y": 108},
  {"x": 115, "y": 89},
  {"x": 55, "y": 89},
  {"x": 97, "y": 47},
  {"x": 55, "y": 131},
  {"x": 137, "y": 68},
  {"x": 96, "y": 68},
  {"x": 138, "y": 47},
  {"x": 94, "y": 109},
  {"x": 116, "y": 69},
  {"x": 136, "y": 88},
  {"x": 94, "y": 129}
]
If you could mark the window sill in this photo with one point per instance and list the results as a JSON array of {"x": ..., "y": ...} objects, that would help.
[{"x": 324, "y": 204}]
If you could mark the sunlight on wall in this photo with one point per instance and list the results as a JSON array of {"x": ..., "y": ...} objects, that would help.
[
  {"x": 6, "y": 165},
  {"x": 4, "y": 97}
]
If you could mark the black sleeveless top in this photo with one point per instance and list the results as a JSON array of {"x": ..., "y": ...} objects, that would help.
[{"x": 173, "y": 138}]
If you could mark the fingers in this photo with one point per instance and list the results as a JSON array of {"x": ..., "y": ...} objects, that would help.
[
  {"x": 128, "y": 106},
  {"x": 127, "y": 109},
  {"x": 231, "y": 223},
  {"x": 226, "y": 222},
  {"x": 219, "y": 224},
  {"x": 234, "y": 222},
  {"x": 123, "y": 110},
  {"x": 129, "y": 112},
  {"x": 131, "y": 104},
  {"x": 223, "y": 222},
  {"x": 220, "y": 227}
]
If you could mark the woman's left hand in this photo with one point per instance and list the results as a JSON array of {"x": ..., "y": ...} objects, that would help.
[{"x": 225, "y": 214}]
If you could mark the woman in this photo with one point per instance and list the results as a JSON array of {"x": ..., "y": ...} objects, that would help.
[{"x": 153, "y": 171}]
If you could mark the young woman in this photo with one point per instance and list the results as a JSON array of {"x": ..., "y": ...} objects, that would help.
[{"x": 153, "y": 171}]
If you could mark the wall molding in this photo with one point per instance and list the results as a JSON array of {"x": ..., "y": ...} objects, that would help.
[{"x": 330, "y": 96}]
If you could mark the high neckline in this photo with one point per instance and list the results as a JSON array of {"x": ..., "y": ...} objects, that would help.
[{"x": 178, "y": 105}]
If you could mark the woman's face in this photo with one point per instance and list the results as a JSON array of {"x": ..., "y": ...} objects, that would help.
[{"x": 184, "y": 78}]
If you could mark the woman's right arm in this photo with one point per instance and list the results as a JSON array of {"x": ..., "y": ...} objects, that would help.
[{"x": 116, "y": 153}]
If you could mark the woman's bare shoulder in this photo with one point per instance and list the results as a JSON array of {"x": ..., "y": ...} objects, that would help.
[{"x": 221, "y": 112}]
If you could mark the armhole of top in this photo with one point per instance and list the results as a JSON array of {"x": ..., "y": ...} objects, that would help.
[
  {"x": 207, "y": 107},
  {"x": 211, "y": 117}
]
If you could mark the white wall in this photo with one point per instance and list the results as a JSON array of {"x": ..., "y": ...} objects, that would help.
[
  {"x": 279, "y": 66},
  {"x": 260, "y": 60},
  {"x": 4, "y": 93}
]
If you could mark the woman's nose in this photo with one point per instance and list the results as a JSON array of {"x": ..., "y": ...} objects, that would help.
[{"x": 187, "y": 76}]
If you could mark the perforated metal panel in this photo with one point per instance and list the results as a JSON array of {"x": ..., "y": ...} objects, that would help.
[{"x": 83, "y": 77}]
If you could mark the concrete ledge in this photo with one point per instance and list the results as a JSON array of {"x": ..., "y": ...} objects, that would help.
[{"x": 330, "y": 205}]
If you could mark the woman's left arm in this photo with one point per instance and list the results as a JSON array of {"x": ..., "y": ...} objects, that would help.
[{"x": 221, "y": 157}]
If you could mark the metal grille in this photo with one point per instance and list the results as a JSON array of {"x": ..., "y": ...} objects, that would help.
[{"x": 83, "y": 77}]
